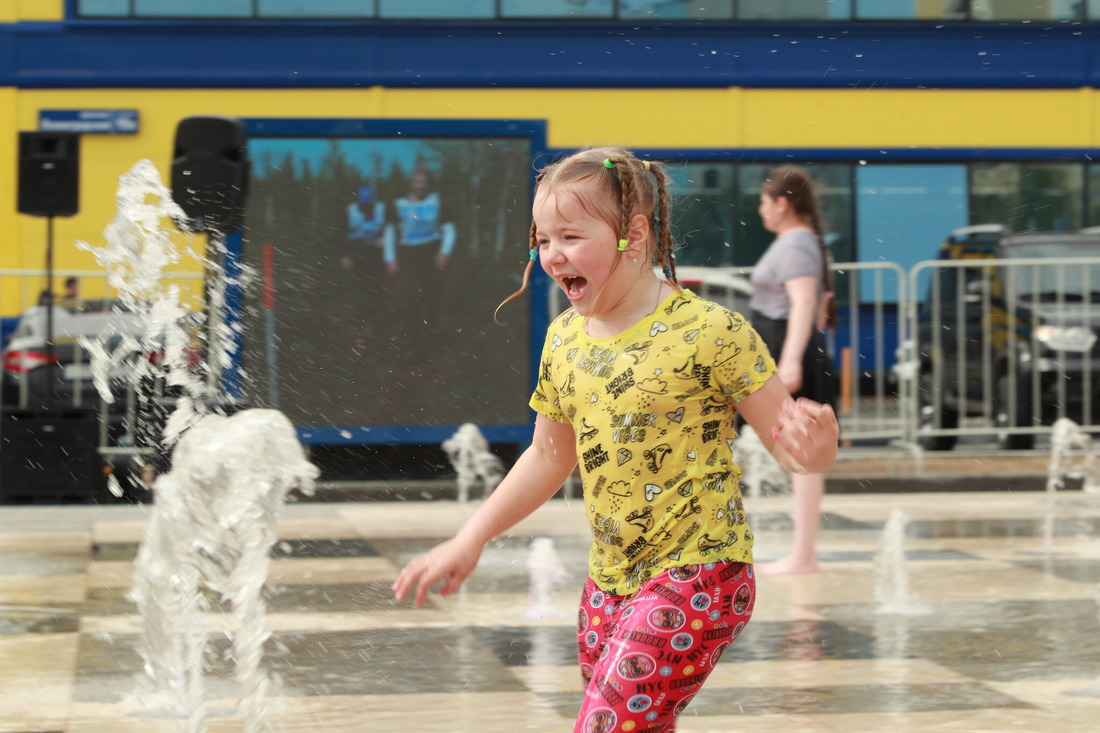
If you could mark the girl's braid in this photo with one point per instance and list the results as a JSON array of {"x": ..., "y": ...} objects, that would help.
[{"x": 666, "y": 259}]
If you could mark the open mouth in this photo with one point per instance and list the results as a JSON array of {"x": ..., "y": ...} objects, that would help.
[{"x": 573, "y": 286}]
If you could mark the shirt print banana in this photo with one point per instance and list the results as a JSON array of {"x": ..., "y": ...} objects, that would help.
[{"x": 652, "y": 409}]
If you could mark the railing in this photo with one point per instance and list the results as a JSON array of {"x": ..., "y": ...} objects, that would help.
[{"x": 1003, "y": 347}]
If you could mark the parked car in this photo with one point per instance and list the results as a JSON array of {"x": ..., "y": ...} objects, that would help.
[
  {"x": 1015, "y": 342},
  {"x": 38, "y": 374}
]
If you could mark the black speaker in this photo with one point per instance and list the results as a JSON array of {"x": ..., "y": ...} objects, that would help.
[
  {"x": 49, "y": 173},
  {"x": 210, "y": 172}
]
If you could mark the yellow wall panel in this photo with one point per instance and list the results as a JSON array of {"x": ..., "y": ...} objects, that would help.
[{"x": 13, "y": 10}]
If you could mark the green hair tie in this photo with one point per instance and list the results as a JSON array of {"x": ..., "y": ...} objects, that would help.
[
  {"x": 622, "y": 245},
  {"x": 534, "y": 254},
  {"x": 608, "y": 164}
]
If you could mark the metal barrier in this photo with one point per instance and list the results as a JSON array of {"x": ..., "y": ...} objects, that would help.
[{"x": 1003, "y": 348}]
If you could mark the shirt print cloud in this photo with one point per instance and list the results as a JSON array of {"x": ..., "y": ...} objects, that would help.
[{"x": 653, "y": 385}]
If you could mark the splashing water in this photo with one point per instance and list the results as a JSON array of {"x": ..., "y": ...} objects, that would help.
[
  {"x": 473, "y": 463},
  {"x": 214, "y": 519},
  {"x": 760, "y": 472},
  {"x": 1066, "y": 439},
  {"x": 892, "y": 570},
  {"x": 546, "y": 570},
  {"x": 213, "y": 525}
]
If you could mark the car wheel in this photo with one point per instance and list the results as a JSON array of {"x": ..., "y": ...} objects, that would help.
[
  {"x": 1011, "y": 415},
  {"x": 949, "y": 419}
]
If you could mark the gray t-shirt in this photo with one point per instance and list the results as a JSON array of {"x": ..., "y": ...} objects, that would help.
[{"x": 794, "y": 254}]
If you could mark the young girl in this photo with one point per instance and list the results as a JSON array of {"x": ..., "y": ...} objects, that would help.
[
  {"x": 791, "y": 288},
  {"x": 639, "y": 382}
]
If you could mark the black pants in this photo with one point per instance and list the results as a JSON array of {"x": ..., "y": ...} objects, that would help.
[{"x": 819, "y": 382}]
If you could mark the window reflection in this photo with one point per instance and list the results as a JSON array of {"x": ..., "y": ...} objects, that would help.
[
  {"x": 556, "y": 8},
  {"x": 911, "y": 9},
  {"x": 193, "y": 8},
  {"x": 1026, "y": 9},
  {"x": 424, "y": 9},
  {"x": 794, "y": 9},
  {"x": 313, "y": 9},
  {"x": 1027, "y": 197},
  {"x": 676, "y": 9}
]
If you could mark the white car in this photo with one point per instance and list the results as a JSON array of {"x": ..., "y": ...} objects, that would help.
[{"x": 36, "y": 375}]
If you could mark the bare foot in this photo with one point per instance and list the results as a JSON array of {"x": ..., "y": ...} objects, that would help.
[{"x": 787, "y": 566}]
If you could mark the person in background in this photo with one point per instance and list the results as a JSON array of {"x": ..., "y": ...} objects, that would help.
[
  {"x": 639, "y": 383},
  {"x": 366, "y": 219},
  {"x": 792, "y": 290},
  {"x": 419, "y": 241}
]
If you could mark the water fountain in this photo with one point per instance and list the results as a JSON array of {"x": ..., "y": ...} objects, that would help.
[
  {"x": 214, "y": 518},
  {"x": 1072, "y": 455},
  {"x": 760, "y": 472},
  {"x": 892, "y": 570},
  {"x": 475, "y": 466},
  {"x": 546, "y": 571}
]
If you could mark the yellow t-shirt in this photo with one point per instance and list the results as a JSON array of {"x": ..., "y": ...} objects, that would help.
[{"x": 652, "y": 409}]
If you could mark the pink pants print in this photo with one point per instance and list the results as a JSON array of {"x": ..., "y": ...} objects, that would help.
[{"x": 644, "y": 656}]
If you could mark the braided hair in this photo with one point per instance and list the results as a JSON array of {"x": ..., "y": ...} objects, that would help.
[{"x": 616, "y": 186}]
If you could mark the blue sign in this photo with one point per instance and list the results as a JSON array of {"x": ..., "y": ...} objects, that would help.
[{"x": 89, "y": 121}]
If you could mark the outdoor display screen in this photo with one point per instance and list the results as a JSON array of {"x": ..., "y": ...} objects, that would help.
[{"x": 377, "y": 263}]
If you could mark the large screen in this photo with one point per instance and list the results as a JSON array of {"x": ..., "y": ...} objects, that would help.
[{"x": 378, "y": 261}]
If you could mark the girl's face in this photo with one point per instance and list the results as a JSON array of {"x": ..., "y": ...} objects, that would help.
[
  {"x": 772, "y": 210},
  {"x": 577, "y": 249}
]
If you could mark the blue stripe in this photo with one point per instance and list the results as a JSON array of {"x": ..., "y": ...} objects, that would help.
[{"x": 85, "y": 54}]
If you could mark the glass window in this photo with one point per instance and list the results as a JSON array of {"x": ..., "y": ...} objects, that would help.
[
  {"x": 193, "y": 8},
  {"x": 1028, "y": 197},
  {"x": 703, "y": 213},
  {"x": 313, "y": 9},
  {"x": 1093, "y": 214},
  {"x": 676, "y": 9},
  {"x": 834, "y": 192},
  {"x": 794, "y": 9},
  {"x": 557, "y": 9},
  {"x": 906, "y": 211},
  {"x": 1026, "y": 9},
  {"x": 911, "y": 9},
  {"x": 421, "y": 9},
  {"x": 103, "y": 8}
]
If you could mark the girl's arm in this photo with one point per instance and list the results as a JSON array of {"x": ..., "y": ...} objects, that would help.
[
  {"x": 802, "y": 434},
  {"x": 802, "y": 319},
  {"x": 536, "y": 476}
]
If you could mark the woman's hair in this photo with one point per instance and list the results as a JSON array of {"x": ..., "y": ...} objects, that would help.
[
  {"x": 795, "y": 185},
  {"x": 614, "y": 185}
]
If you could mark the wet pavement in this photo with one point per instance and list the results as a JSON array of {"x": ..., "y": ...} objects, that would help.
[{"x": 1000, "y": 631}]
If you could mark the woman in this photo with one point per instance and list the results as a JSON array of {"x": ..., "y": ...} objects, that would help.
[{"x": 792, "y": 287}]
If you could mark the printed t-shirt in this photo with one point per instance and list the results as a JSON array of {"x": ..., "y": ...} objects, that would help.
[{"x": 652, "y": 409}]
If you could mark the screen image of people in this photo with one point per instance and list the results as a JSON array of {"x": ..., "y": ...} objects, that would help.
[{"x": 389, "y": 257}]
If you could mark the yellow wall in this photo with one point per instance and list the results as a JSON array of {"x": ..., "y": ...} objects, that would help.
[
  {"x": 636, "y": 118},
  {"x": 14, "y": 10}
]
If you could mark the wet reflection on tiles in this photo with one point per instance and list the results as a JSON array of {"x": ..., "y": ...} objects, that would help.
[{"x": 1002, "y": 632}]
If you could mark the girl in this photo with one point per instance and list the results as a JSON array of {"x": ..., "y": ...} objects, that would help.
[
  {"x": 639, "y": 381},
  {"x": 792, "y": 286}
]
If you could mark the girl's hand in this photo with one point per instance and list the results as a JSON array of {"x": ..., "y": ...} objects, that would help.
[
  {"x": 450, "y": 562},
  {"x": 809, "y": 433}
]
